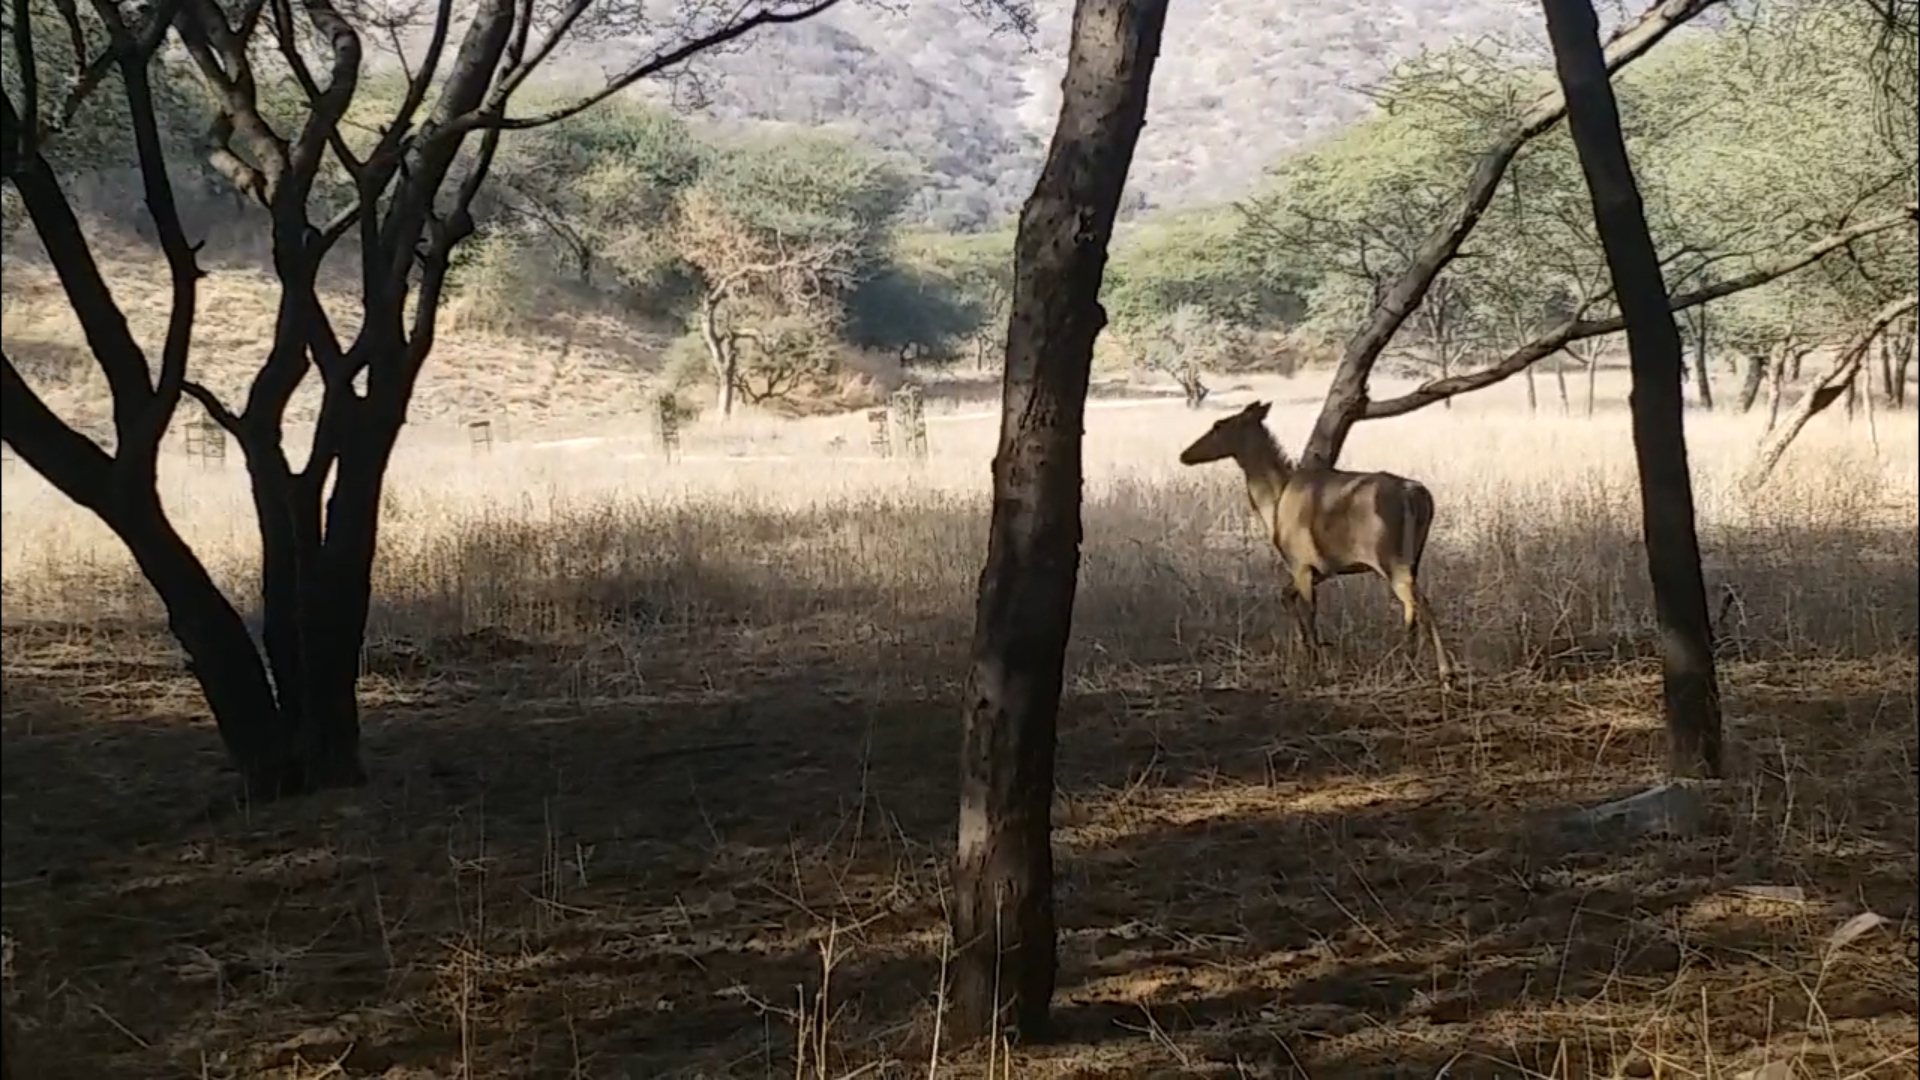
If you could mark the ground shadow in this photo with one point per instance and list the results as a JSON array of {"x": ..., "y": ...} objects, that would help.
[{"x": 637, "y": 852}]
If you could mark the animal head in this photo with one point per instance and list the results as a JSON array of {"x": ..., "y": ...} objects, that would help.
[{"x": 1227, "y": 435}]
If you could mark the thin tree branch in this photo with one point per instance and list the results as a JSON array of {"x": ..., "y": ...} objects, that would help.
[
  {"x": 1577, "y": 329},
  {"x": 50, "y": 446},
  {"x": 1347, "y": 397},
  {"x": 492, "y": 115}
]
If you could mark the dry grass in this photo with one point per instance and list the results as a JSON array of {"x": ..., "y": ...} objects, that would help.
[{"x": 656, "y": 747}]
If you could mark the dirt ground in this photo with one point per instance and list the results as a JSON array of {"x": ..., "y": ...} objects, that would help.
[{"x": 727, "y": 861}]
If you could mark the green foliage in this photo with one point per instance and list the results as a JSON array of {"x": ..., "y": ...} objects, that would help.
[
  {"x": 96, "y": 141},
  {"x": 495, "y": 282},
  {"x": 1194, "y": 261},
  {"x": 1782, "y": 146},
  {"x": 598, "y": 192},
  {"x": 944, "y": 292},
  {"x": 1746, "y": 143},
  {"x": 811, "y": 189},
  {"x": 902, "y": 306}
]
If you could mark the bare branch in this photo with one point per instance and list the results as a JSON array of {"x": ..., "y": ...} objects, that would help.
[
  {"x": 334, "y": 100},
  {"x": 216, "y": 412},
  {"x": 139, "y": 448},
  {"x": 494, "y": 113},
  {"x": 221, "y": 55},
  {"x": 101, "y": 320},
  {"x": 29, "y": 133},
  {"x": 1831, "y": 384},
  {"x": 69, "y": 460}
]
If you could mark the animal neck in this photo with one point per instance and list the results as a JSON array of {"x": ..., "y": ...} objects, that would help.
[{"x": 1267, "y": 467}]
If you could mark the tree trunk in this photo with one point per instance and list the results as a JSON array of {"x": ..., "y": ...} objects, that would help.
[
  {"x": 727, "y": 372},
  {"x": 1776, "y": 387},
  {"x": 1903, "y": 360},
  {"x": 274, "y": 752},
  {"x": 722, "y": 353},
  {"x": 1533, "y": 393},
  {"x": 1887, "y": 349},
  {"x": 1701, "y": 374},
  {"x": 1560, "y": 380},
  {"x": 1691, "y": 691},
  {"x": 1756, "y": 377},
  {"x": 1003, "y": 923},
  {"x": 1593, "y": 379}
]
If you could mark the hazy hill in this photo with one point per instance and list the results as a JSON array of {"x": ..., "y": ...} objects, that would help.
[{"x": 1239, "y": 81}]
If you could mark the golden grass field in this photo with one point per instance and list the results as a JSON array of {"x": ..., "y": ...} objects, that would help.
[{"x": 664, "y": 765}]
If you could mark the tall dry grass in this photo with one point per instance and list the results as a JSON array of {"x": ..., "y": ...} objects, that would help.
[
  {"x": 700, "y": 776},
  {"x": 770, "y": 525}
]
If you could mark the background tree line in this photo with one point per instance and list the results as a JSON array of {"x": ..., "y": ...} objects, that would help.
[{"x": 775, "y": 253}]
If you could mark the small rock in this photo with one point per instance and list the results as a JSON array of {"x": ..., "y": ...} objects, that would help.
[{"x": 1669, "y": 809}]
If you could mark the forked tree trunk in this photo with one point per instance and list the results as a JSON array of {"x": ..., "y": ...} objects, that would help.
[
  {"x": 1691, "y": 685},
  {"x": 299, "y": 730},
  {"x": 1003, "y": 923},
  {"x": 723, "y": 355}
]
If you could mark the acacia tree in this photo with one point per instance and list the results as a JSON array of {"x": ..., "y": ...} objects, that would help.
[
  {"x": 1346, "y": 402},
  {"x": 1534, "y": 257},
  {"x": 287, "y": 710},
  {"x": 750, "y": 277},
  {"x": 1691, "y": 687},
  {"x": 1002, "y": 917}
]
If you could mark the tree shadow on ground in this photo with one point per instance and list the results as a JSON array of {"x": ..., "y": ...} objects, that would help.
[{"x": 636, "y": 852}]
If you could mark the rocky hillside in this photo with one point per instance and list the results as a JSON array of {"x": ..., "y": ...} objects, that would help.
[{"x": 1239, "y": 82}]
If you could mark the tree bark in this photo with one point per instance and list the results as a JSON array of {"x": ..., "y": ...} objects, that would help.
[
  {"x": 1346, "y": 401},
  {"x": 1690, "y": 682},
  {"x": 1003, "y": 923}
]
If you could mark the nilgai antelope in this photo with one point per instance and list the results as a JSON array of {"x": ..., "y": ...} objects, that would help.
[{"x": 1327, "y": 522}]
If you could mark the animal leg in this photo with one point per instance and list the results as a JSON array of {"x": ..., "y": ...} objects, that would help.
[
  {"x": 1302, "y": 587},
  {"x": 1418, "y": 614}
]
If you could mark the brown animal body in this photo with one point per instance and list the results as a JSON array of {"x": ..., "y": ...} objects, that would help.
[{"x": 1329, "y": 522}]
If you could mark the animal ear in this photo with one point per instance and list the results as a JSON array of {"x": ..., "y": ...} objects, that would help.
[{"x": 1258, "y": 410}]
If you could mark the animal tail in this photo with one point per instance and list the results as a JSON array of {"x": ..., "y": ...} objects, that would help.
[{"x": 1418, "y": 522}]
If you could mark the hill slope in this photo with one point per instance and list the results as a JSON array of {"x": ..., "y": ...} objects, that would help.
[{"x": 1238, "y": 83}]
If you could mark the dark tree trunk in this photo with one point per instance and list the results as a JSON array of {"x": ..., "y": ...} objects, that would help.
[
  {"x": 1903, "y": 360},
  {"x": 1887, "y": 349},
  {"x": 1003, "y": 924},
  {"x": 1702, "y": 375},
  {"x": 1691, "y": 684}
]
